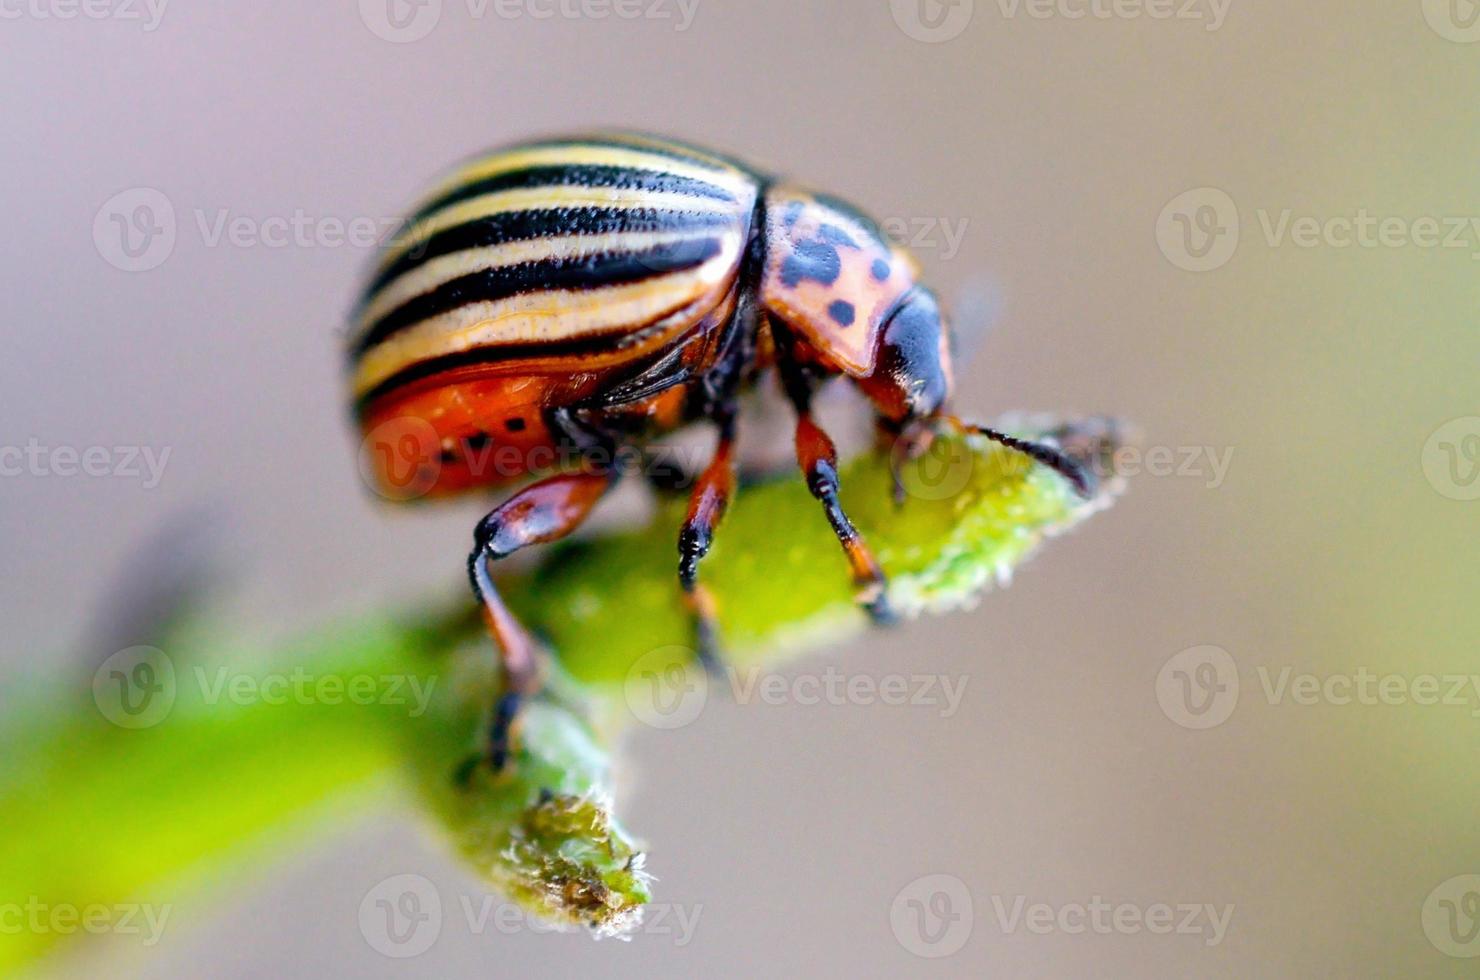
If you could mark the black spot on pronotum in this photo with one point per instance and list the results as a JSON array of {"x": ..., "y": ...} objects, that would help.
[
  {"x": 812, "y": 260},
  {"x": 842, "y": 311},
  {"x": 880, "y": 270},
  {"x": 514, "y": 425}
]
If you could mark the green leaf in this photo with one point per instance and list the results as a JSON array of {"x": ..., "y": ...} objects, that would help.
[{"x": 99, "y": 814}]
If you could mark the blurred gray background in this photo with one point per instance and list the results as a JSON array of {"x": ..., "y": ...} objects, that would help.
[{"x": 1340, "y": 374}]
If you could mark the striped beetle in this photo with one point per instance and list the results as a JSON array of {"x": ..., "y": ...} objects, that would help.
[{"x": 585, "y": 294}]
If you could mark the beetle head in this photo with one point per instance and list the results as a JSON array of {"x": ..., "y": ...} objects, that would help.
[{"x": 911, "y": 378}]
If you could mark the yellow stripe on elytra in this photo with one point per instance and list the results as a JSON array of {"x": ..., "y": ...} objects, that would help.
[
  {"x": 442, "y": 269},
  {"x": 621, "y": 139},
  {"x": 544, "y": 316},
  {"x": 592, "y": 155},
  {"x": 537, "y": 198}
]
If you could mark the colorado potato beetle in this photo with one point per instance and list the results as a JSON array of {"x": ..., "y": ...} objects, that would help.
[{"x": 571, "y": 298}]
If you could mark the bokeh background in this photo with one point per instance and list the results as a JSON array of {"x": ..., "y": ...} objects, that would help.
[{"x": 1341, "y": 376}]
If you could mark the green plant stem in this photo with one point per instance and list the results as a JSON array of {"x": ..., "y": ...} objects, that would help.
[{"x": 98, "y": 815}]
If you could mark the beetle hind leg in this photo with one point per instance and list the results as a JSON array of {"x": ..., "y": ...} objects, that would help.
[
  {"x": 707, "y": 505},
  {"x": 541, "y": 513}
]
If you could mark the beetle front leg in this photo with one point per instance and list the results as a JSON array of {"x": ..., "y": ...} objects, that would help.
[
  {"x": 707, "y": 505},
  {"x": 541, "y": 513}
]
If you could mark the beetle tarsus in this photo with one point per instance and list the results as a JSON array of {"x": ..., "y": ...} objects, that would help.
[
  {"x": 905, "y": 446},
  {"x": 501, "y": 731},
  {"x": 874, "y": 598}
]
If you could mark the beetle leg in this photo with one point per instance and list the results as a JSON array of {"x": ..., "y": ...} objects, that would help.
[
  {"x": 543, "y": 512},
  {"x": 903, "y": 446},
  {"x": 818, "y": 458},
  {"x": 707, "y": 504}
]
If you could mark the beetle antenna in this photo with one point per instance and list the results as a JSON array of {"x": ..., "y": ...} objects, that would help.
[{"x": 1068, "y": 468}]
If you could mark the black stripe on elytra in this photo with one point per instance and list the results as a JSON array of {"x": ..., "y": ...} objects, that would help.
[
  {"x": 580, "y": 272},
  {"x": 523, "y": 226},
  {"x": 495, "y": 353},
  {"x": 578, "y": 175}
]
